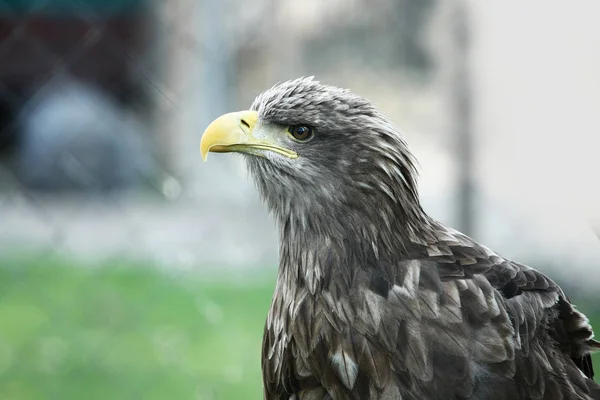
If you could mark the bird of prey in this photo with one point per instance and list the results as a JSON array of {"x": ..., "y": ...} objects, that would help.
[{"x": 374, "y": 298}]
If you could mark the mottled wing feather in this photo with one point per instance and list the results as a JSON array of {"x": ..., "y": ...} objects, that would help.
[{"x": 455, "y": 321}]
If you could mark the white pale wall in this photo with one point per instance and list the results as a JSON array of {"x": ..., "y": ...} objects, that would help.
[{"x": 536, "y": 67}]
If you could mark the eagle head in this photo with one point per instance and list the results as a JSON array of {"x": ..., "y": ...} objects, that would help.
[{"x": 320, "y": 155}]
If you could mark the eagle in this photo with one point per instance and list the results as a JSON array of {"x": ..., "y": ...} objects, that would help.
[{"x": 374, "y": 298}]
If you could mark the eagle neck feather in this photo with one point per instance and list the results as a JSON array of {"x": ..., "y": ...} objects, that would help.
[{"x": 315, "y": 249}]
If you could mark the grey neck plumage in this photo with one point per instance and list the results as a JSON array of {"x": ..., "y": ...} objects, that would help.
[{"x": 318, "y": 241}]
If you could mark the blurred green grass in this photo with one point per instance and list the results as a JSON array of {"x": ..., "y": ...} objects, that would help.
[{"x": 128, "y": 331}]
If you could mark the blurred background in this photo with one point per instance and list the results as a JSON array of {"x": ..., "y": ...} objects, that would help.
[{"x": 131, "y": 270}]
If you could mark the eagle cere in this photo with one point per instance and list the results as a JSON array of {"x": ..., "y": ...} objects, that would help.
[{"x": 375, "y": 299}]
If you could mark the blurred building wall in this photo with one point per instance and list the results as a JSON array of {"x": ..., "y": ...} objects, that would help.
[{"x": 537, "y": 94}]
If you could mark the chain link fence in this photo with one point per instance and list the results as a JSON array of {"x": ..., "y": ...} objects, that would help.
[{"x": 114, "y": 237}]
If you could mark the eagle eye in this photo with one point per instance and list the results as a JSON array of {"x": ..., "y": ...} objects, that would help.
[{"x": 301, "y": 132}]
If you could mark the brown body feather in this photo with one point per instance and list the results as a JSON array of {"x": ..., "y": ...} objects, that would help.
[{"x": 448, "y": 320}]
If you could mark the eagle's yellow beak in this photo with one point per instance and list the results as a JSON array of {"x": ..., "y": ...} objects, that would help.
[{"x": 234, "y": 132}]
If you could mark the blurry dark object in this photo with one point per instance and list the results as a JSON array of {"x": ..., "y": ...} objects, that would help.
[
  {"x": 92, "y": 41},
  {"x": 75, "y": 137},
  {"x": 8, "y": 133}
]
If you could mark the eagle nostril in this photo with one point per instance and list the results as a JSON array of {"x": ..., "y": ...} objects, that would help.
[{"x": 246, "y": 124}]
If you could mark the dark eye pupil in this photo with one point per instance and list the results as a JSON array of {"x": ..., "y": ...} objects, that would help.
[{"x": 301, "y": 132}]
